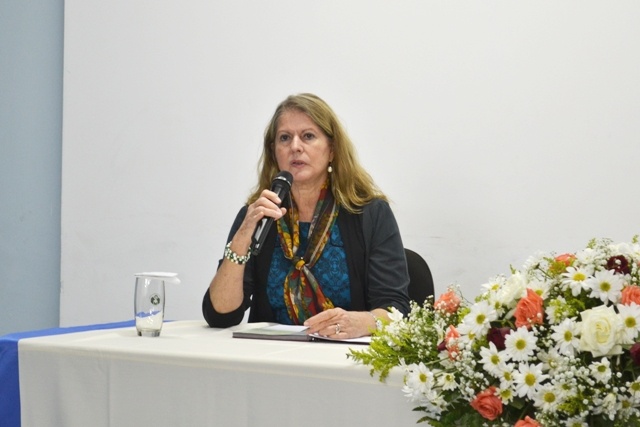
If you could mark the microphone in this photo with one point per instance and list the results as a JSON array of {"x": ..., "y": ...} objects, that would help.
[{"x": 280, "y": 185}]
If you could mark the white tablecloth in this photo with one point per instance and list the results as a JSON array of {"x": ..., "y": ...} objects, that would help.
[{"x": 193, "y": 375}]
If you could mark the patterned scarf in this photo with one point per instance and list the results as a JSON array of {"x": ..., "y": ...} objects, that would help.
[{"x": 302, "y": 293}]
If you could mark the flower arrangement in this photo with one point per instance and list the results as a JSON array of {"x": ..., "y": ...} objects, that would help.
[{"x": 554, "y": 344}]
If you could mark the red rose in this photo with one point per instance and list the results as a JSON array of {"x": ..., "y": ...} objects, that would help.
[
  {"x": 527, "y": 422},
  {"x": 635, "y": 353},
  {"x": 488, "y": 404},
  {"x": 529, "y": 310},
  {"x": 630, "y": 294},
  {"x": 497, "y": 336},
  {"x": 619, "y": 264},
  {"x": 561, "y": 262},
  {"x": 566, "y": 259}
]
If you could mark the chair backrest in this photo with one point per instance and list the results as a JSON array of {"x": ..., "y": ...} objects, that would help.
[{"x": 420, "y": 278}]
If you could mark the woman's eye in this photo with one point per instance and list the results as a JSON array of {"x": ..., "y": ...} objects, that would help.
[
  {"x": 308, "y": 136},
  {"x": 284, "y": 138}
]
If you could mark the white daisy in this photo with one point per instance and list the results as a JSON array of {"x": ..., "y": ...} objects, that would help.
[
  {"x": 630, "y": 316},
  {"x": 606, "y": 285},
  {"x": 534, "y": 260},
  {"x": 447, "y": 381},
  {"x": 491, "y": 359},
  {"x": 506, "y": 376},
  {"x": 540, "y": 287},
  {"x": 566, "y": 336},
  {"x": 520, "y": 344},
  {"x": 506, "y": 395},
  {"x": 495, "y": 303},
  {"x": 601, "y": 370},
  {"x": 552, "y": 361},
  {"x": 527, "y": 379},
  {"x": 606, "y": 405},
  {"x": 576, "y": 422},
  {"x": 433, "y": 404},
  {"x": 634, "y": 389},
  {"x": 566, "y": 388},
  {"x": 626, "y": 406},
  {"x": 479, "y": 319},
  {"x": 419, "y": 380},
  {"x": 547, "y": 398},
  {"x": 494, "y": 284},
  {"x": 576, "y": 279}
]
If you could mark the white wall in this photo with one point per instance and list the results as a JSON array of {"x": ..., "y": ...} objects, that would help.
[{"x": 498, "y": 128}]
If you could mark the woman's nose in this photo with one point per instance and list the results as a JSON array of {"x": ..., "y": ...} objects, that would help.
[{"x": 296, "y": 144}]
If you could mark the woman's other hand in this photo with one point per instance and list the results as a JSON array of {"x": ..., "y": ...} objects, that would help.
[{"x": 341, "y": 324}]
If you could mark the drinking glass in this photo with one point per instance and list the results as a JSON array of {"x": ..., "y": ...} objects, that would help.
[{"x": 149, "y": 302}]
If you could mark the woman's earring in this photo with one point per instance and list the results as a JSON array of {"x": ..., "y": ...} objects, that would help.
[{"x": 329, "y": 168}]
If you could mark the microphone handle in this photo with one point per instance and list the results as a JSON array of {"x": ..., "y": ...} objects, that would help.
[
  {"x": 262, "y": 229},
  {"x": 260, "y": 235}
]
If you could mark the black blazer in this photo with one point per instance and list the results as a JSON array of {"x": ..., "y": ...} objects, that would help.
[{"x": 376, "y": 262}]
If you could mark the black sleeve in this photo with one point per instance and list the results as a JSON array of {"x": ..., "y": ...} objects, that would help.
[
  {"x": 225, "y": 320},
  {"x": 388, "y": 276}
]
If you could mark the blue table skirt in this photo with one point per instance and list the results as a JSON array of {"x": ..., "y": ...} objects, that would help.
[{"x": 10, "y": 373}]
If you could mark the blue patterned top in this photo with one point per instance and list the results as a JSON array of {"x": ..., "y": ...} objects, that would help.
[{"x": 331, "y": 271}]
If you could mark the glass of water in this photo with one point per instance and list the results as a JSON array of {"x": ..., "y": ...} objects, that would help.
[{"x": 149, "y": 302}]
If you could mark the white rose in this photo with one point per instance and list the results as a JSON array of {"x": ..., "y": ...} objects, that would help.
[{"x": 600, "y": 332}]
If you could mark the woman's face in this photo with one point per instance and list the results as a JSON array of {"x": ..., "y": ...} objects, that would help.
[{"x": 303, "y": 149}]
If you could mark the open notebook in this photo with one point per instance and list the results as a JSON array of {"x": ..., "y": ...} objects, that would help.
[{"x": 291, "y": 333}]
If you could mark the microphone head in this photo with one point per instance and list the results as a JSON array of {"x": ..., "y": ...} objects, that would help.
[
  {"x": 280, "y": 185},
  {"x": 282, "y": 181}
]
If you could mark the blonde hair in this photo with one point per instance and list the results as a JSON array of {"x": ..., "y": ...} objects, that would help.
[{"x": 351, "y": 184}]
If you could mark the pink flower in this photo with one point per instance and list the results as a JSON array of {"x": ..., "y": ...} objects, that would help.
[
  {"x": 452, "y": 335},
  {"x": 630, "y": 294},
  {"x": 529, "y": 310},
  {"x": 527, "y": 422},
  {"x": 447, "y": 344},
  {"x": 488, "y": 404},
  {"x": 561, "y": 262},
  {"x": 449, "y": 302},
  {"x": 566, "y": 259}
]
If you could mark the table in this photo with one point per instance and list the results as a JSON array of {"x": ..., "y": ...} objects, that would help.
[
  {"x": 9, "y": 372},
  {"x": 193, "y": 375}
]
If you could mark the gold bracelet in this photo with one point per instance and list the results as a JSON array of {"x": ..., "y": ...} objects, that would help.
[{"x": 234, "y": 257}]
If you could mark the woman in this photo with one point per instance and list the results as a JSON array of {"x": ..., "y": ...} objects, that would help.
[{"x": 334, "y": 259}]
